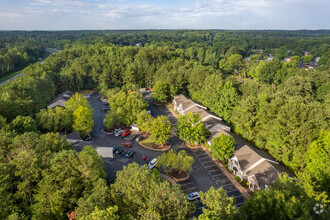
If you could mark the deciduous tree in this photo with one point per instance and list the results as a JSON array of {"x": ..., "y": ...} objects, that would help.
[
  {"x": 223, "y": 147},
  {"x": 83, "y": 120},
  {"x": 161, "y": 92},
  {"x": 218, "y": 205},
  {"x": 161, "y": 129},
  {"x": 191, "y": 129}
]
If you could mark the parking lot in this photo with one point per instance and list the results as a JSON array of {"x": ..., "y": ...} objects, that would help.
[{"x": 205, "y": 172}]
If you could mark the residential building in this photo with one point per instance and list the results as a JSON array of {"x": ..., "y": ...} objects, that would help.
[
  {"x": 247, "y": 162},
  {"x": 181, "y": 104},
  {"x": 212, "y": 122},
  {"x": 256, "y": 166},
  {"x": 60, "y": 100}
]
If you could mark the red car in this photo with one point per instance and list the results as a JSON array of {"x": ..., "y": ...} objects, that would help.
[
  {"x": 126, "y": 144},
  {"x": 125, "y": 133}
]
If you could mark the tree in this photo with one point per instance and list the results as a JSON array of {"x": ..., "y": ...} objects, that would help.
[
  {"x": 285, "y": 199},
  {"x": 307, "y": 59},
  {"x": 223, "y": 147},
  {"x": 225, "y": 100},
  {"x": 295, "y": 127},
  {"x": 98, "y": 197},
  {"x": 234, "y": 63},
  {"x": 55, "y": 120},
  {"x": 23, "y": 124},
  {"x": 191, "y": 129},
  {"x": 83, "y": 120},
  {"x": 111, "y": 119},
  {"x": 266, "y": 70},
  {"x": 141, "y": 194},
  {"x": 108, "y": 213},
  {"x": 172, "y": 161},
  {"x": 76, "y": 101},
  {"x": 161, "y": 92},
  {"x": 218, "y": 205},
  {"x": 318, "y": 159},
  {"x": 69, "y": 175},
  {"x": 161, "y": 129},
  {"x": 127, "y": 106}
]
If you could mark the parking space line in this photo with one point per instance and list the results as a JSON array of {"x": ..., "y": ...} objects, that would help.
[
  {"x": 212, "y": 169},
  {"x": 184, "y": 184},
  {"x": 232, "y": 190},
  {"x": 217, "y": 175},
  {"x": 239, "y": 196},
  {"x": 225, "y": 185},
  {"x": 239, "y": 203},
  {"x": 192, "y": 189},
  {"x": 213, "y": 165},
  {"x": 201, "y": 156}
]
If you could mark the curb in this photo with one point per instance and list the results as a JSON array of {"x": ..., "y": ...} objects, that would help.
[
  {"x": 106, "y": 132},
  {"x": 193, "y": 146},
  {"x": 168, "y": 178},
  {"x": 179, "y": 180}
]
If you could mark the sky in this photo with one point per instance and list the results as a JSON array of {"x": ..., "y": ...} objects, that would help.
[{"x": 164, "y": 14}]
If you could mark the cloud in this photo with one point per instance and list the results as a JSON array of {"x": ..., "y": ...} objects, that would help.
[
  {"x": 8, "y": 14},
  {"x": 69, "y": 3}
]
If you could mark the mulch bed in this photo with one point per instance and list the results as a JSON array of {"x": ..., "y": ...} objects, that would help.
[
  {"x": 164, "y": 146},
  {"x": 177, "y": 175}
]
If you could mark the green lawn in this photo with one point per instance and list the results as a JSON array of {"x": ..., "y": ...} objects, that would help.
[{"x": 149, "y": 142}]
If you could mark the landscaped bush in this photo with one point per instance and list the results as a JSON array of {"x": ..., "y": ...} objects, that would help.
[{"x": 238, "y": 178}]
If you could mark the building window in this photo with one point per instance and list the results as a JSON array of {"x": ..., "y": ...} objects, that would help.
[
  {"x": 235, "y": 161},
  {"x": 230, "y": 166}
]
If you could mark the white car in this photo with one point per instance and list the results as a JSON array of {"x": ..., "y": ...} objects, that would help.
[
  {"x": 193, "y": 196},
  {"x": 152, "y": 163},
  {"x": 118, "y": 133}
]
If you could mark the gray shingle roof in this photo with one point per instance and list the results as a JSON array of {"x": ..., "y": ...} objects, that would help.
[{"x": 60, "y": 100}]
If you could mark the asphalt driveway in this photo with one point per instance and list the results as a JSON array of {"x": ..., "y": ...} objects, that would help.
[{"x": 205, "y": 172}]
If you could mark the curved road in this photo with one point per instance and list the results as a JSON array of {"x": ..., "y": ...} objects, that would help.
[{"x": 50, "y": 50}]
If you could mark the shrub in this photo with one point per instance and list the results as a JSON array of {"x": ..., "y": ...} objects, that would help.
[{"x": 238, "y": 178}]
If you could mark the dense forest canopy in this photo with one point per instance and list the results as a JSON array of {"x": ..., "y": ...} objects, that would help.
[{"x": 279, "y": 106}]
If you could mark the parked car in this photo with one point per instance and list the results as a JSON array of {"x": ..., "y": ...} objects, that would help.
[
  {"x": 114, "y": 149},
  {"x": 126, "y": 144},
  {"x": 118, "y": 133},
  {"x": 105, "y": 109},
  {"x": 152, "y": 163},
  {"x": 134, "y": 136},
  {"x": 105, "y": 101},
  {"x": 193, "y": 196},
  {"x": 123, "y": 154},
  {"x": 118, "y": 151},
  {"x": 125, "y": 133},
  {"x": 129, "y": 154}
]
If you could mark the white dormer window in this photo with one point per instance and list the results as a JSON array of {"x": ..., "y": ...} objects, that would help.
[{"x": 266, "y": 187}]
